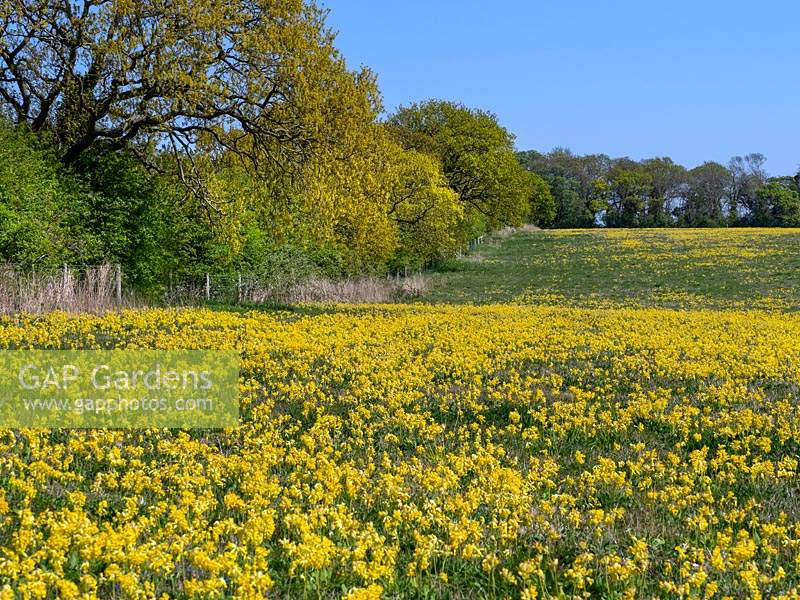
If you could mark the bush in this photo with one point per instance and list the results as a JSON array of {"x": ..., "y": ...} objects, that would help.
[{"x": 34, "y": 202}]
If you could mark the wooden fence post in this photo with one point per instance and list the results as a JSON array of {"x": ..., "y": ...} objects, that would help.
[
  {"x": 118, "y": 284},
  {"x": 208, "y": 287}
]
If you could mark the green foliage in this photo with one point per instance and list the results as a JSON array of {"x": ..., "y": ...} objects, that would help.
[
  {"x": 105, "y": 208},
  {"x": 260, "y": 78},
  {"x": 777, "y": 204},
  {"x": 285, "y": 267},
  {"x": 576, "y": 183},
  {"x": 627, "y": 193},
  {"x": 427, "y": 212},
  {"x": 477, "y": 156},
  {"x": 657, "y": 192},
  {"x": 571, "y": 210},
  {"x": 542, "y": 202},
  {"x": 38, "y": 215},
  {"x": 128, "y": 217},
  {"x": 667, "y": 183},
  {"x": 707, "y": 186}
]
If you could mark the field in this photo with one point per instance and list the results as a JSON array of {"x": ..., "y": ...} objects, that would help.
[
  {"x": 685, "y": 268},
  {"x": 618, "y": 420}
]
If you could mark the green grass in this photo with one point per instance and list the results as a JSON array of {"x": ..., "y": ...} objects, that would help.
[{"x": 683, "y": 268}]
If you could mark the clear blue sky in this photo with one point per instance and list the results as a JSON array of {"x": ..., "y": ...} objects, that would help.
[{"x": 696, "y": 81}]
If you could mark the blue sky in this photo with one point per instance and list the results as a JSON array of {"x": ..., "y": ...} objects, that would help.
[{"x": 696, "y": 81}]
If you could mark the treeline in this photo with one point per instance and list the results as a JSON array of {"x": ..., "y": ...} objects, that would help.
[
  {"x": 185, "y": 136},
  {"x": 594, "y": 190},
  {"x": 178, "y": 137}
]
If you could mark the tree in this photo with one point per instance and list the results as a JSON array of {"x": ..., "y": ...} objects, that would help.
[
  {"x": 792, "y": 182},
  {"x": 542, "y": 203},
  {"x": 476, "y": 154},
  {"x": 34, "y": 202},
  {"x": 571, "y": 211},
  {"x": 776, "y": 204},
  {"x": 747, "y": 176},
  {"x": 576, "y": 183},
  {"x": 707, "y": 186},
  {"x": 427, "y": 212},
  {"x": 658, "y": 192},
  {"x": 629, "y": 187},
  {"x": 667, "y": 181},
  {"x": 378, "y": 203},
  {"x": 258, "y": 78}
]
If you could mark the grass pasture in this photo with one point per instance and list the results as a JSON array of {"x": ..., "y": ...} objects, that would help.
[{"x": 670, "y": 268}]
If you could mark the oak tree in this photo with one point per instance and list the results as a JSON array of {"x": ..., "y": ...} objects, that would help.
[{"x": 259, "y": 78}]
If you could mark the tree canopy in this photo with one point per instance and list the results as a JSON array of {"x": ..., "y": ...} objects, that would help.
[
  {"x": 476, "y": 154},
  {"x": 258, "y": 78}
]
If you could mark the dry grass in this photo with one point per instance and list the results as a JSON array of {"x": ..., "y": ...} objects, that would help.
[
  {"x": 475, "y": 257},
  {"x": 507, "y": 232},
  {"x": 357, "y": 290},
  {"x": 92, "y": 291}
]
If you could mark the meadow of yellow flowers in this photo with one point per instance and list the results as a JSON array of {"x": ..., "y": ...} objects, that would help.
[
  {"x": 427, "y": 451},
  {"x": 724, "y": 268}
]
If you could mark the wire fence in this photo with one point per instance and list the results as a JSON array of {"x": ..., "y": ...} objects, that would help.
[
  {"x": 239, "y": 288},
  {"x": 84, "y": 288},
  {"x": 471, "y": 245},
  {"x": 96, "y": 288}
]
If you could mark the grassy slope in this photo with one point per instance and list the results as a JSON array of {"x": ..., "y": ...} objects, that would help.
[{"x": 711, "y": 268}]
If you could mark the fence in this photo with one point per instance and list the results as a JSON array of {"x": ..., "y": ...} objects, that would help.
[
  {"x": 240, "y": 288},
  {"x": 471, "y": 245},
  {"x": 95, "y": 288}
]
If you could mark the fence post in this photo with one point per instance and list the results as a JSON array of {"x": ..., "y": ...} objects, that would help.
[
  {"x": 118, "y": 282},
  {"x": 208, "y": 287}
]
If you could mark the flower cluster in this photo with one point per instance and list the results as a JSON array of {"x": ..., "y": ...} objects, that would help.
[{"x": 396, "y": 451}]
